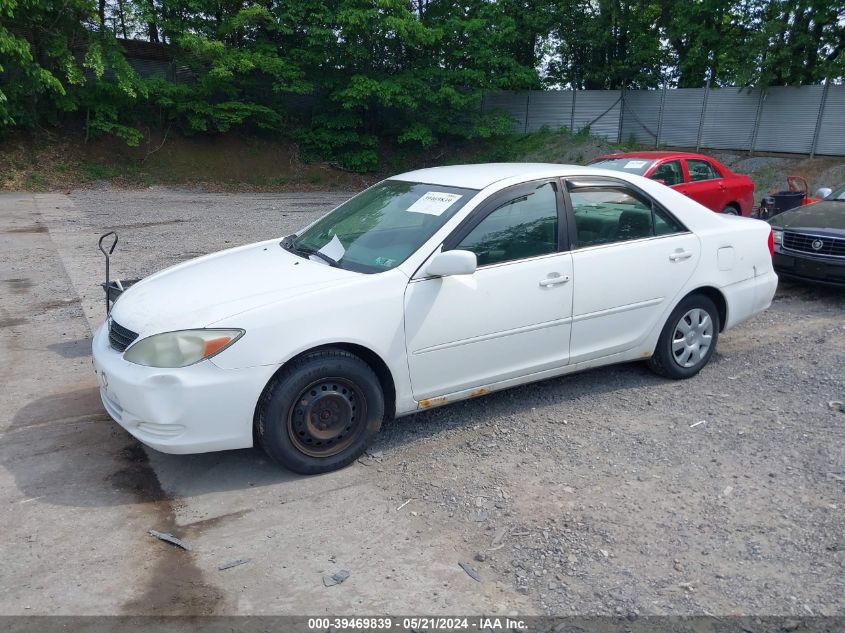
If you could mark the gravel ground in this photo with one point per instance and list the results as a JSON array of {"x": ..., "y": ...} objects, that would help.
[
  {"x": 612, "y": 491},
  {"x": 620, "y": 492}
]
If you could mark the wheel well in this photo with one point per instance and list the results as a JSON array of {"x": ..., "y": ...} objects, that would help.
[
  {"x": 736, "y": 206},
  {"x": 375, "y": 362},
  {"x": 378, "y": 366},
  {"x": 716, "y": 297}
]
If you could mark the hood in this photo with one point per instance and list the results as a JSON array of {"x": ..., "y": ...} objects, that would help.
[
  {"x": 202, "y": 291},
  {"x": 825, "y": 215}
]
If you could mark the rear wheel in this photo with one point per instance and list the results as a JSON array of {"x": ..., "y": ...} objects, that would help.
[
  {"x": 321, "y": 412},
  {"x": 731, "y": 209},
  {"x": 688, "y": 339}
]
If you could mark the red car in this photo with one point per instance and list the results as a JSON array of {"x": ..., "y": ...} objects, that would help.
[{"x": 703, "y": 179}]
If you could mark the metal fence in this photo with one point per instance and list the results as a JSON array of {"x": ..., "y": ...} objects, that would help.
[{"x": 802, "y": 120}]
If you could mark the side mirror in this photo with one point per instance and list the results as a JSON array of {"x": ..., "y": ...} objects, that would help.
[
  {"x": 449, "y": 263},
  {"x": 823, "y": 192}
]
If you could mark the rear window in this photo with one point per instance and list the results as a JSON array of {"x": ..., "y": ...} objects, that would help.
[{"x": 637, "y": 166}]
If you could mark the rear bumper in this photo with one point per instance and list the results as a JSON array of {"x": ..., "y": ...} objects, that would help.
[
  {"x": 195, "y": 409},
  {"x": 749, "y": 297},
  {"x": 829, "y": 272}
]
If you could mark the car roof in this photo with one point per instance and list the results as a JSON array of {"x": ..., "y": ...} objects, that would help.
[
  {"x": 654, "y": 155},
  {"x": 485, "y": 174}
]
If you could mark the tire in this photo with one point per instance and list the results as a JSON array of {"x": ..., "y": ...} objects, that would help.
[
  {"x": 731, "y": 209},
  {"x": 677, "y": 356},
  {"x": 321, "y": 412}
]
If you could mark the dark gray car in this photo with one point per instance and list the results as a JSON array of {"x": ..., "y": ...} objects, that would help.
[{"x": 810, "y": 241}]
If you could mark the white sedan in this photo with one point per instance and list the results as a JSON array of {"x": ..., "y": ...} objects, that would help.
[{"x": 430, "y": 287}]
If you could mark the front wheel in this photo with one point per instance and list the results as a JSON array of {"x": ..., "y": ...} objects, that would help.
[
  {"x": 321, "y": 412},
  {"x": 688, "y": 339}
]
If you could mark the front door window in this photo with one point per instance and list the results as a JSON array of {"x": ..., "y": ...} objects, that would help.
[
  {"x": 523, "y": 227},
  {"x": 669, "y": 173}
]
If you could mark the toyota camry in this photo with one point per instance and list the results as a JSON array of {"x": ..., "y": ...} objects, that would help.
[{"x": 429, "y": 287}]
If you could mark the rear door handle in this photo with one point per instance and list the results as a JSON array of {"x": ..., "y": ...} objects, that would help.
[
  {"x": 679, "y": 256},
  {"x": 554, "y": 279}
]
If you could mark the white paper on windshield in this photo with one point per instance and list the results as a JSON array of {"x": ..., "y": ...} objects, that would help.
[
  {"x": 434, "y": 203},
  {"x": 635, "y": 164},
  {"x": 334, "y": 249}
]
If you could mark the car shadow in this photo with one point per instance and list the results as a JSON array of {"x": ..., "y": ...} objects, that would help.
[
  {"x": 807, "y": 291},
  {"x": 518, "y": 401},
  {"x": 63, "y": 448},
  {"x": 78, "y": 348}
]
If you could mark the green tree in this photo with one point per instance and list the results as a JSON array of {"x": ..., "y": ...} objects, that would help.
[
  {"x": 602, "y": 44},
  {"x": 796, "y": 42},
  {"x": 55, "y": 59},
  {"x": 344, "y": 77},
  {"x": 708, "y": 40}
]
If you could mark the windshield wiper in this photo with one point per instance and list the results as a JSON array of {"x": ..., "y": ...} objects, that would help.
[
  {"x": 288, "y": 244},
  {"x": 329, "y": 260}
]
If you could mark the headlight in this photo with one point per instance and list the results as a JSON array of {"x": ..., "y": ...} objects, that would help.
[
  {"x": 777, "y": 234},
  {"x": 180, "y": 349}
]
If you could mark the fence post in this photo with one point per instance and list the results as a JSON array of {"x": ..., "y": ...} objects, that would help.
[
  {"x": 572, "y": 116},
  {"x": 757, "y": 120},
  {"x": 701, "y": 117},
  {"x": 819, "y": 117},
  {"x": 527, "y": 105},
  {"x": 660, "y": 116},
  {"x": 621, "y": 114}
]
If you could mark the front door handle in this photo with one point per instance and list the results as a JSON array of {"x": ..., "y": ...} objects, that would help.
[
  {"x": 554, "y": 279},
  {"x": 679, "y": 256}
]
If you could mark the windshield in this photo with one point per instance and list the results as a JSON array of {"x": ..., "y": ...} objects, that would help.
[
  {"x": 381, "y": 227},
  {"x": 838, "y": 194},
  {"x": 631, "y": 165}
]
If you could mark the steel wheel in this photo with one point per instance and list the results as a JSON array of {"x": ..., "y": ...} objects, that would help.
[
  {"x": 326, "y": 417},
  {"x": 320, "y": 412},
  {"x": 692, "y": 338}
]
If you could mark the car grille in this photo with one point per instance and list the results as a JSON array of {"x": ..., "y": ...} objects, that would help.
[
  {"x": 119, "y": 337},
  {"x": 803, "y": 243}
]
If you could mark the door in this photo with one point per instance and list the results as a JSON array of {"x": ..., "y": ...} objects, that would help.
[
  {"x": 704, "y": 184},
  {"x": 512, "y": 316},
  {"x": 630, "y": 258}
]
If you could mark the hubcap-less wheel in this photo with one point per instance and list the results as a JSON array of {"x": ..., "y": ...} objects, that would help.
[
  {"x": 692, "y": 338},
  {"x": 326, "y": 417}
]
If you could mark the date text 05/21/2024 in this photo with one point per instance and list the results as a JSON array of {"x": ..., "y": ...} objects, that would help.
[{"x": 416, "y": 623}]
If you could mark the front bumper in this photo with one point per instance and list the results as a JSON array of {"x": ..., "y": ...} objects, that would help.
[
  {"x": 194, "y": 409},
  {"x": 827, "y": 271}
]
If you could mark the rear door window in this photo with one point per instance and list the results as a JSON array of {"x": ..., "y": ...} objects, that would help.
[
  {"x": 701, "y": 170},
  {"x": 608, "y": 214}
]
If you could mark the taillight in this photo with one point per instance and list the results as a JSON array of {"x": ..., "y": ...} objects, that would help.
[{"x": 771, "y": 243}]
